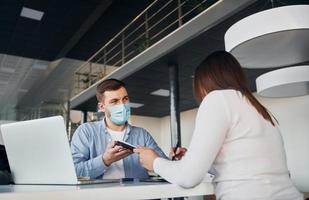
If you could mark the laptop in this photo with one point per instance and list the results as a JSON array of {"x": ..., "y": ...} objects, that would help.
[{"x": 38, "y": 152}]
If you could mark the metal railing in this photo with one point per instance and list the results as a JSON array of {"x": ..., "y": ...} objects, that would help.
[
  {"x": 46, "y": 110},
  {"x": 158, "y": 20}
]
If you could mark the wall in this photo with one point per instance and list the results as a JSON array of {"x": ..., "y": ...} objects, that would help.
[{"x": 187, "y": 121}]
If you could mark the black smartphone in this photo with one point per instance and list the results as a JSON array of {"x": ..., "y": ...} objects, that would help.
[{"x": 125, "y": 145}]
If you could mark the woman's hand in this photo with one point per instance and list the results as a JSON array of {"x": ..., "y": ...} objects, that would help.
[
  {"x": 177, "y": 154},
  {"x": 146, "y": 157}
]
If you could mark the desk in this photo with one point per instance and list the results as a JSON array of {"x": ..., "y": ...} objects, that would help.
[{"x": 102, "y": 191}]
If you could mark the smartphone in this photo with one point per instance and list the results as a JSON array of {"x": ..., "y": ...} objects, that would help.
[{"x": 125, "y": 145}]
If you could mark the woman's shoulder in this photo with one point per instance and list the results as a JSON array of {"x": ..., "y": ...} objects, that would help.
[
  {"x": 222, "y": 94},
  {"x": 225, "y": 92},
  {"x": 227, "y": 98}
]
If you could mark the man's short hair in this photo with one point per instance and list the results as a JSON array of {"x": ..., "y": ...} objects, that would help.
[{"x": 108, "y": 85}]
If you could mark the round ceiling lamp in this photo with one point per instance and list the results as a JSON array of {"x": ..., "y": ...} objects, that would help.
[
  {"x": 271, "y": 38},
  {"x": 285, "y": 82}
]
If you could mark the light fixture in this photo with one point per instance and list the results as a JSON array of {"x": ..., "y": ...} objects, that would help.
[
  {"x": 285, "y": 82},
  {"x": 39, "y": 66},
  {"x": 136, "y": 105},
  {"x": 161, "y": 92},
  {"x": 31, "y": 13},
  {"x": 272, "y": 38}
]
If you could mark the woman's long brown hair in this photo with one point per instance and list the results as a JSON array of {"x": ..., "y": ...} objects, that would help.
[{"x": 219, "y": 71}]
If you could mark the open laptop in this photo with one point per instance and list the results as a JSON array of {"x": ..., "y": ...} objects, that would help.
[{"x": 39, "y": 153}]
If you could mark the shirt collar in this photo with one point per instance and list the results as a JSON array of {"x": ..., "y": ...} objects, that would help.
[{"x": 128, "y": 128}]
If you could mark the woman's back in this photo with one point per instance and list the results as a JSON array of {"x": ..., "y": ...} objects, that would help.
[
  {"x": 253, "y": 147},
  {"x": 252, "y": 158}
]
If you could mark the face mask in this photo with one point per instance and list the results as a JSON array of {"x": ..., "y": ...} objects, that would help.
[{"x": 119, "y": 113}]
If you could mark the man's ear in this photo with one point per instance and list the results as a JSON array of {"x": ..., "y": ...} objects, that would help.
[{"x": 101, "y": 107}]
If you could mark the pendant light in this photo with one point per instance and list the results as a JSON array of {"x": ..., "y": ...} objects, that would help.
[
  {"x": 285, "y": 82},
  {"x": 271, "y": 38}
]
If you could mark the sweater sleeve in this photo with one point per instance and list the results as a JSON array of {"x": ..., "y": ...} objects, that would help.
[{"x": 211, "y": 126}]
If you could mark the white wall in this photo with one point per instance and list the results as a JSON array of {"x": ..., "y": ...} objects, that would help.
[{"x": 187, "y": 121}]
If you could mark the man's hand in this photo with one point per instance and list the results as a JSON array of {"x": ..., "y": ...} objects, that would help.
[
  {"x": 177, "y": 154},
  {"x": 146, "y": 157},
  {"x": 114, "y": 153}
]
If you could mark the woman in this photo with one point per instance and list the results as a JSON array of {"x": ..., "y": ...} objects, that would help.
[{"x": 234, "y": 134}]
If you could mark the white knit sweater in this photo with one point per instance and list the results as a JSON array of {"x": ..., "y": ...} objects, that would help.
[{"x": 245, "y": 150}]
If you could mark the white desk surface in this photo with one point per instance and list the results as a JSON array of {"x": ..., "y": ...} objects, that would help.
[{"x": 102, "y": 191}]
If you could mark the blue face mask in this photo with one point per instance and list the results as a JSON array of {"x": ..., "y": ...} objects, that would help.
[{"x": 120, "y": 113}]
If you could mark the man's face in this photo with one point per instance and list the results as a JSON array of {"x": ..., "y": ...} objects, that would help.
[{"x": 112, "y": 98}]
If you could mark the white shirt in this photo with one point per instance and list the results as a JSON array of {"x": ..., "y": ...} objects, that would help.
[
  {"x": 245, "y": 150},
  {"x": 115, "y": 170}
]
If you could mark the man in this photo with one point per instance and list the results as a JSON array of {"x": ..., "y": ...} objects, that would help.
[{"x": 94, "y": 152}]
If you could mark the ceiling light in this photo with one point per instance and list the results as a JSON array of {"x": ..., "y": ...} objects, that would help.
[
  {"x": 272, "y": 38},
  {"x": 161, "y": 92},
  {"x": 135, "y": 105},
  {"x": 22, "y": 90},
  {"x": 39, "y": 66},
  {"x": 7, "y": 70},
  {"x": 285, "y": 82},
  {"x": 31, "y": 13}
]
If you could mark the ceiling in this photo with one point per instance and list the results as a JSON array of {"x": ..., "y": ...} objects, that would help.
[
  {"x": 38, "y": 58},
  {"x": 155, "y": 75},
  {"x": 87, "y": 21}
]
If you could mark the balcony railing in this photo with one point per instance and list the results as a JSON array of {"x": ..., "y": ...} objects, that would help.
[{"x": 158, "y": 20}]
